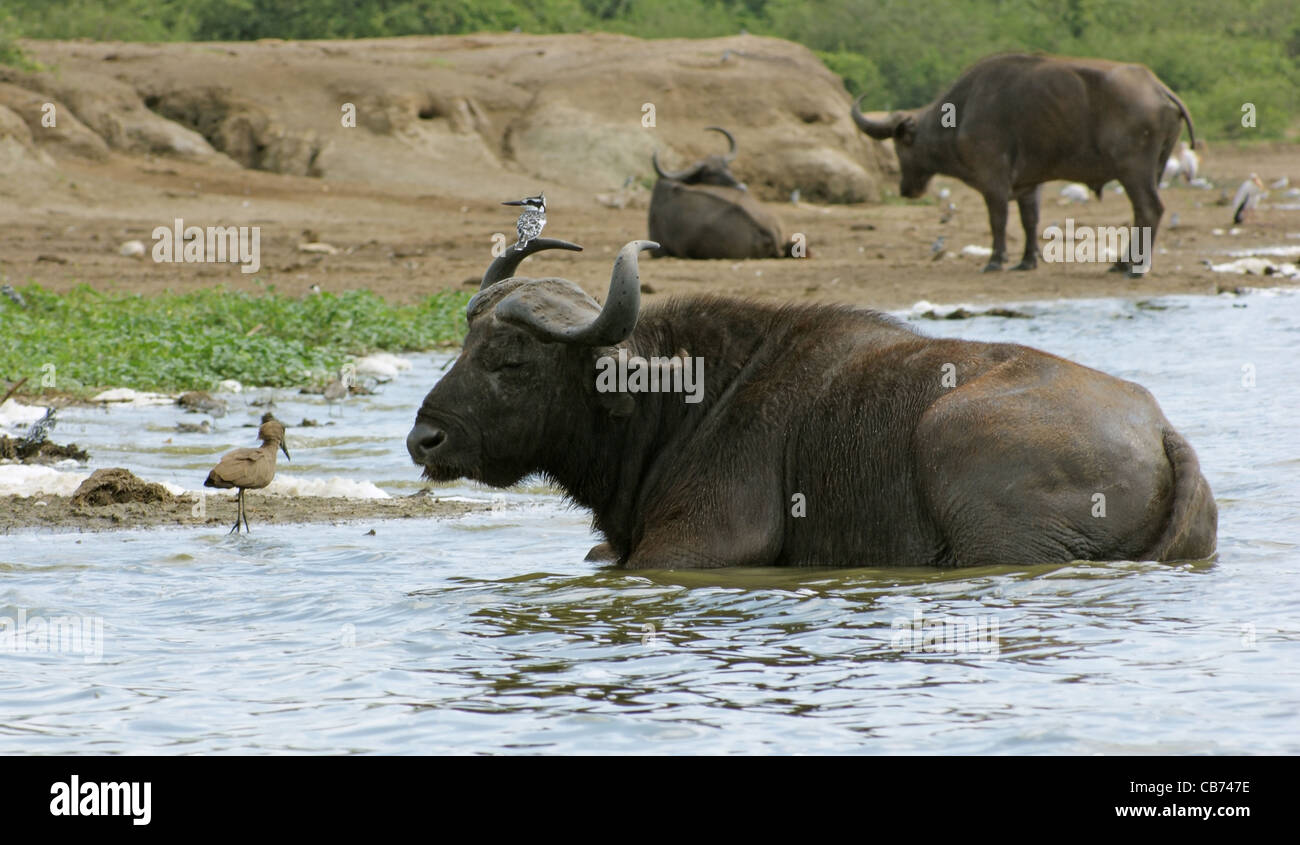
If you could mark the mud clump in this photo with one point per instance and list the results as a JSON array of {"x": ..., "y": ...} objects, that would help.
[
  {"x": 964, "y": 314},
  {"x": 201, "y": 402},
  {"x": 118, "y": 486},
  {"x": 44, "y": 452}
]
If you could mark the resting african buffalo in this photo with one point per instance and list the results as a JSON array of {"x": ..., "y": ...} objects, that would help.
[
  {"x": 704, "y": 212},
  {"x": 826, "y": 435},
  {"x": 1018, "y": 121}
]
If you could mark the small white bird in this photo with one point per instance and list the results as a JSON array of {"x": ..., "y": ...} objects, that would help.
[
  {"x": 1189, "y": 163},
  {"x": 1280, "y": 184},
  {"x": 1247, "y": 198},
  {"x": 1172, "y": 168},
  {"x": 1076, "y": 192}
]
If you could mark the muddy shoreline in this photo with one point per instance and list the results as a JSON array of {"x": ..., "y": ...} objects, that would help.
[{"x": 61, "y": 515}]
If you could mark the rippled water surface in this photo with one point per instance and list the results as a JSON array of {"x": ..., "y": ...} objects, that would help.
[{"x": 490, "y": 633}]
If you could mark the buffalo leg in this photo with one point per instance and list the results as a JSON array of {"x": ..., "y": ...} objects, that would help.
[
  {"x": 738, "y": 524},
  {"x": 1147, "y": 211},
  {"x": 1028, "y": 204},
  {"x": 997, "y": 205}
]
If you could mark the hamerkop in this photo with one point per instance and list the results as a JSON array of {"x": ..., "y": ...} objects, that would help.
[{"x": 250, "y": 469}]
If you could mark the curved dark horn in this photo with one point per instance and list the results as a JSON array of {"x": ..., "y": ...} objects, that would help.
[
  {"x": 505, "y": 265},
  {"x": 614, "y": 322},
  {"x": 680, "y": 175},
  {"x": 878, "y": 129},
  {"x": 731, "y": 153}
]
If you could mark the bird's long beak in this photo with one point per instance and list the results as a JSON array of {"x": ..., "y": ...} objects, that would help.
[
  {"x": 285, "y": 449},
  {"x": 514, "y": 202}
]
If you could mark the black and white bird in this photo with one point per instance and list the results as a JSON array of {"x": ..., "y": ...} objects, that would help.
[
  {"x": 531, "y": 220},
  {"x": 13, "y": 295},
  {"x": 40, "y": 430}
]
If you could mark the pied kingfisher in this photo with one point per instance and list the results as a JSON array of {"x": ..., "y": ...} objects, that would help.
[
  {"x": 531, "y": 219},
  {"x": 40, "y": 430}
]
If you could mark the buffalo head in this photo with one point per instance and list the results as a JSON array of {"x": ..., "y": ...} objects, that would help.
[
  {"x": 900, "y": 126},
  {"x": 526, "y": 369},
  {"x": 711, "y": 170}
]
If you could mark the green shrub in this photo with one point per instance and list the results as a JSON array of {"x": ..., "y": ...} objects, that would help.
[{"x": 193, "y": 340}]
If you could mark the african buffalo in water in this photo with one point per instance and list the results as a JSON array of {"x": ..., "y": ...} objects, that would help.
[
  {"x": 705, "y": 212},
  {"x": 824, "y": 435},
  {"x": 1017, "y": 121}
]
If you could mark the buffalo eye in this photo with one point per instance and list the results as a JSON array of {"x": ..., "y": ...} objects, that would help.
[{"x": 511, "y": 353}]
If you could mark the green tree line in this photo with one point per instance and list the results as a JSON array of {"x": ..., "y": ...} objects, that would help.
[{"x": 1217, "y": 54}]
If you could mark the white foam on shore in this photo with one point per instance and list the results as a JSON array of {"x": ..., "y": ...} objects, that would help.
[
  {"x": 381, "y": 365},
  {"x": 924, "y": 306},
  {"x": 13, "y": 412},
  {"x": 1256, "y": 266},
  {"x": 37, "y": 480},
  {"x": 127, "y": 396},
  {"x": 34, "y": 480},
  {"x": 329, "y": 488}
]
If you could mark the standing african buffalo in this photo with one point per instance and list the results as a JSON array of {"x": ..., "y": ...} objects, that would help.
[
  {"x": 826, "y": 435},
  {"x": 1012, "y": 122},
  {"x": 704, "y": 212}
]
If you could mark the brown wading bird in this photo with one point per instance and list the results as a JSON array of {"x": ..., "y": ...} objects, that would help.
[
  {"x": 250, "y": 469},
  {"x": 337, "y": 390}
]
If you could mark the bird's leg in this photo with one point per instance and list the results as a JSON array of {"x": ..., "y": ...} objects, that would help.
[
  {"x": 242, "y": 511},
  {"x": 239, "y": 507}
]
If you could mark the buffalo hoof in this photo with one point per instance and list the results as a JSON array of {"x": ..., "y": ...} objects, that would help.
[
  {"x": 1026, "y": 265},
  {"x": 992, "y": 267}
]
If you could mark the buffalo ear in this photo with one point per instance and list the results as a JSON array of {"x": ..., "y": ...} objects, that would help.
[{"x": 905, "y": 131}]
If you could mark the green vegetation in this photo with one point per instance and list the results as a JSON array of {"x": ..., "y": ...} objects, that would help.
[
  {"x": 1216, "y": 55},
  {"x": 10, "y": 53},
  {"x": 190, "y": 341}
]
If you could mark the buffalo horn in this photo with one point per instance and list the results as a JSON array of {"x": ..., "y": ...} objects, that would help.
[
  {"x": 731, "y": 153},
  {"x": 505, "y": 265},
  {"x": 611, "y": 326},
  {"x": 878, "y": 129}
]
